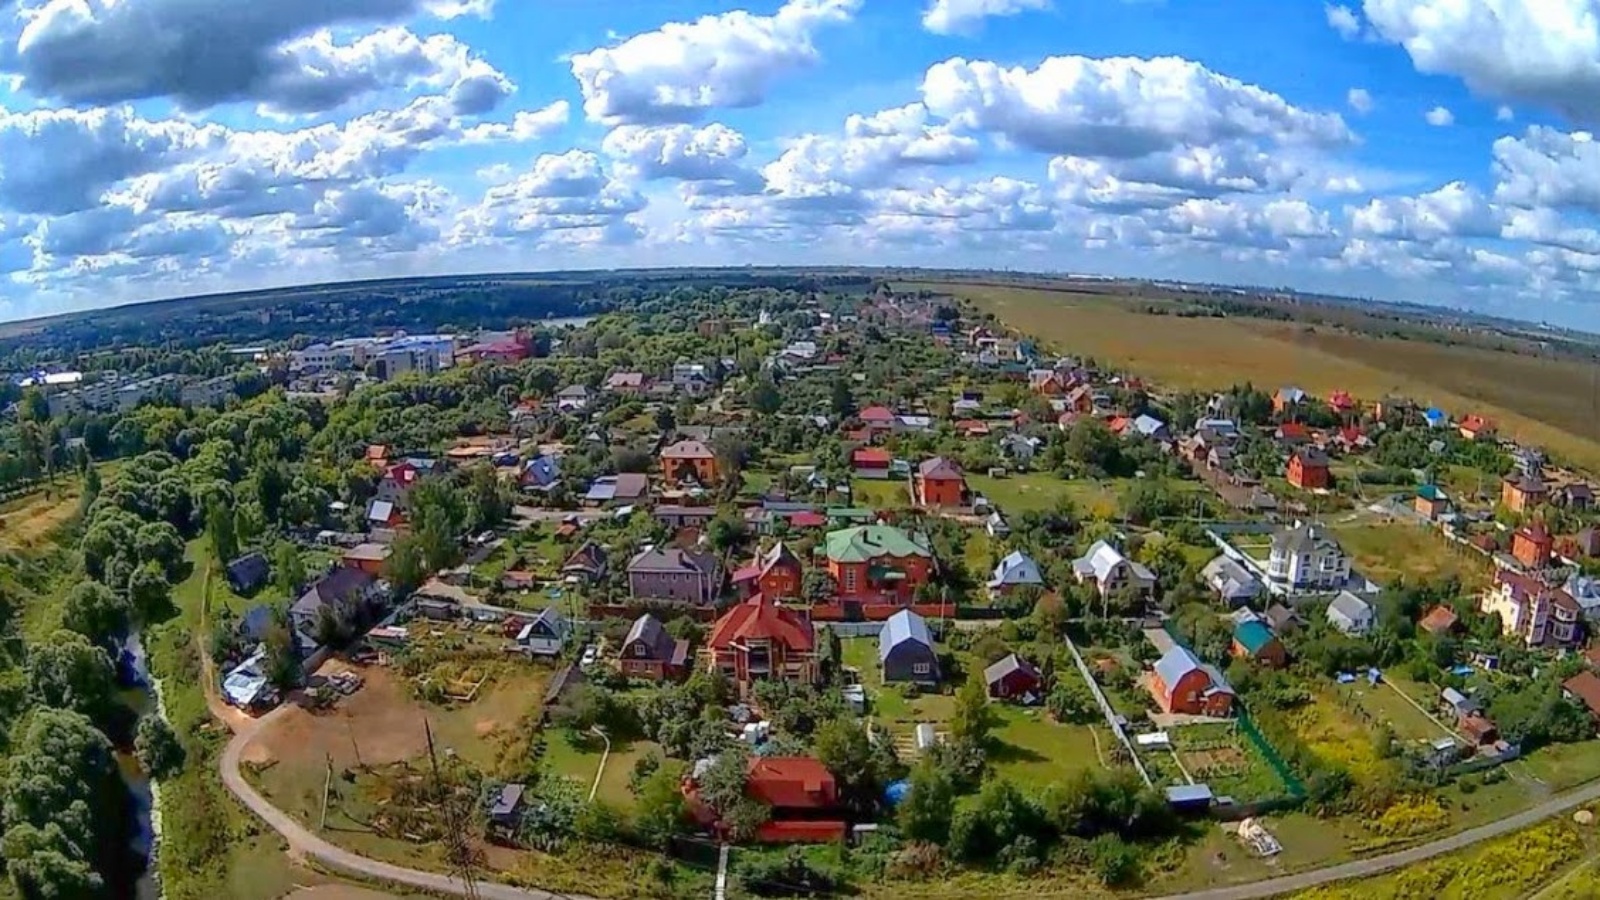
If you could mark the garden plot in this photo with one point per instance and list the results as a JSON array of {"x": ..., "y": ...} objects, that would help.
[{"x": 1221, "y": 756}]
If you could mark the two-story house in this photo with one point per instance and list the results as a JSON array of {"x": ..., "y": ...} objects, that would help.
[
  {"x": 651, "y": 653},
  {"x": 761, "y": 639},
  {"x": 878, "y": 562},
  {"x": 345, "y": 595},
  {"x": 675, "y": 574},
  {"x": 939, "y": 482},
  {"x": 689, "y": 460},
  {"x": 774, "y": 573},
  {"x": 1110, "y": 571},
  {"x": 1537, "y": 613},
  {"x": 1307, "y": 558}
]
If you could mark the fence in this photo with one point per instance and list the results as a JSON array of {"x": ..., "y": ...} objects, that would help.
[
  {"x": 1297, "y": 789},
  {"x": 878, "y": 612},
  {"x": 855, "y": 629},
  {"x": 1106, "y": 710}
]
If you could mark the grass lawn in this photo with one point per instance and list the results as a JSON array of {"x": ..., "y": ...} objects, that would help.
[
  {"x": 1031, "y": 749},
  {"x": 581, "y": 762},
  {"x": 1388, "y": 553},
  {"x": 893, "y": 710},
  {"x": 887, "y": 493},
  {"x": 1338, "y": 736},
  {"x": 1386, "y": 706},
  {"x": 1564, "y": 765},
  {"x": 1027, "y": 492}
]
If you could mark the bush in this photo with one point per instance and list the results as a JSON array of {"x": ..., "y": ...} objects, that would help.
[{"x": 791, "y": 875}]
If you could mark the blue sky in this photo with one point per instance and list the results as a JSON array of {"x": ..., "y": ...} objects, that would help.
[{"x": 1435, "y": 151}]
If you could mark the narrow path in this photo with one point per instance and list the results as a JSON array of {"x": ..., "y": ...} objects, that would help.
[{"x": 302, "y": 841}]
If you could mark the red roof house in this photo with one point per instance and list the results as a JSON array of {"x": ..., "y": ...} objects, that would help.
[
  {"x": 877, "y": 418},
  {"x": 871, "y": 462},
  {"x": 1293, "y": 433},
  {"x": 803, "y": 797},
  {"x": 775, "y": 573},
  {"x": 1475, "y": 426},
  {"x": 761, "y": 639},
  {"x": 1308, "y": 469},
  {"x": 1341, "y": 402},
  {"x": 1532, "y": 545}
]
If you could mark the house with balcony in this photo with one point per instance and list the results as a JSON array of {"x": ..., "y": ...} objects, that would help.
[
  {"x": 1111, "y": 571},
  {"x": 689, "y": 461},
  {"x": 763, "y": 640},
  {"x": 1306, "y": 559},
  {"x": 878, "y": 563},
  {"x": 1538, "y": 614}
]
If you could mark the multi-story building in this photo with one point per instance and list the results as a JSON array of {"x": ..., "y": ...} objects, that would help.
[
  {"x": 1537, "y": 613},
  {"x": 675, "y": 574},
  {"x": 878, "y": 562},
  {"x": 1306, "y": 558},
  {"x": 775, "y": 573},
  {"x": 763, "y": 640}
]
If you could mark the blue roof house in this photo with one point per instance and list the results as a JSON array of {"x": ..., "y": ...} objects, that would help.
[
  {"x": 1436, "y": 418},
  {"x": 905, "y": 650},
  {"x": 541, "y": 473}
]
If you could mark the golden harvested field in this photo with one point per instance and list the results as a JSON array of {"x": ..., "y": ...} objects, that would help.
[
  {"x": 1388, "y": 553},
  {"x": 1548, "y": 402}
]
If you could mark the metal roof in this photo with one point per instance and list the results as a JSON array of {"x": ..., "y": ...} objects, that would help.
[{"x": 903, "y": 626}]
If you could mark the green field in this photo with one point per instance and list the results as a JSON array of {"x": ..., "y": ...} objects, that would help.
[
  {"x": 1386, "y": 706},
  {"x": 1389, "y": 553},
  {"x": 880, "y": 494},
  {"x": 1536, "y": 399},
  {"x": 581, "y": 762},
  {"x": 1031, "y": 749}
]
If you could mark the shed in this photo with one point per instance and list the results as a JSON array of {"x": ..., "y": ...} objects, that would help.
[
  {"x": 1189, "y": 797},
  {"x": 503, "y": 812},
  {"x": 248, "y": 573},
  {"x": 1014, "y": 678}
]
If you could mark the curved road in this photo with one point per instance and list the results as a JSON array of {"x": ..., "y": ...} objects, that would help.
[{"x": 303, "y": 841}]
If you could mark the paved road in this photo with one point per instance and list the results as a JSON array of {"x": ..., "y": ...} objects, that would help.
[
  {"x": 1377, "y": 865},
  {"x": 304, "y": 842}
]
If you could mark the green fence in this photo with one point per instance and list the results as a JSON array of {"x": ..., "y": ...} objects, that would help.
[{"x": 1297, "y": 789}]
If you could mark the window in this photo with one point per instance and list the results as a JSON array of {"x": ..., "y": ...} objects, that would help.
[
  {"x": 640, "y": 650},
  {"x": 850, "y": 579},
  {"x": 921, "y": 668}
]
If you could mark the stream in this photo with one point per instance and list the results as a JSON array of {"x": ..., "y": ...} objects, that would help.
[{"x": 138, "y": 694}]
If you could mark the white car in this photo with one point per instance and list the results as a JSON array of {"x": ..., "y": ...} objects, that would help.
[{"x": 590, "y": 654}]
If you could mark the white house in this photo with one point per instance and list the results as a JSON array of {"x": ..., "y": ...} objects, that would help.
[
  {"x": 1110, "y": 570},
  {"x": 546, "y": 635},
  {"x": 1351, "y": 614},
  {"x": 1231, "y": 581},
  {"x": 1306, "y": 558},
  {"x": 1016, "y": 570}
]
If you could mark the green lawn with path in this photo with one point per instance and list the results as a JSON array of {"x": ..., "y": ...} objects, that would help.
[{"x": 1031, "y": 749}]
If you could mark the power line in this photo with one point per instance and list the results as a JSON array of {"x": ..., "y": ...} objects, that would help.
[{"x": 459, "y": 853}]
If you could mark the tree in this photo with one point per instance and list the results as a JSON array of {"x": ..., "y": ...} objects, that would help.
[
  {"x": 1071, "y": 702},
  {"x": 405, "y": 569},
  {"x": 149, "y": 592},
  {"x": 287, "y": 568},
  {"x": 764, "y": 397},
  {"x": 96, "y": 612},
  {"x": 840, "y": 399},
  {"x": 972, "y": 720},
  {"x": 817, "y": 586},
  {"x": 67, "y": 672},
  {"x": 62, "y": 803},
  {"x": 661, "y": 811},
  {"x": 157, "y": 746},
  {"x": 220, "y": 526},
  {"x": 725, "y": 532},
  {"x": 722, "y": 787},
  {"x": 842, "y": 746},
  {"x": 925, "y": 812}
]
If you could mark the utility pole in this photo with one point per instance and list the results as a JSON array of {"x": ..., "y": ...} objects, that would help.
[{"x": 459, "y": 854}]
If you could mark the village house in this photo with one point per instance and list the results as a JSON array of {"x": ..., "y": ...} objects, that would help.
[
  {"x": 1475, "y": 427},
  {"x": 587, "y": 565},
  {"x": 248, "y": 573},
  {"x": 368, "y": 556},
  {"x": 1521, "y": 492},
  {"x": 1584, "y": 688},
  {"x": 573, "y": 398},
  {"x": 800, "y": 795},
  {"x": 938, "y": 482},
  {"x": 1438, "y": 621},
  {"x": 675, "y": 574},
  {"x": 774, "y": 573},
  {"x": 1536, "y": 613},
  {"x": 1253, "y": 640},
  {"x": 344, "y": 596},
  {"x": 1342, "y": 403},
  {"x": 1020, "y": 448},
  {"x": 541, "y": 474},
  {"x": 547, "y": 634},
  {"x": 878, "y": 562},
  {"x": 1431, "y": 502},
  {"x": 1292, "y": 434},
  {"x": 398, "y": 481},
  {"x": 675, "y": 516},
  {"x": 1306, "y": 558},
  {"x": 871, "y": 462},
  {"x": 1014, "y": 678},
  {"x": 692, "y": 379},
  {"x": 906, "y": 652},
  {"x": 1575, "y": 496},
  {"x": 1015, "y": 571},
  {"x": 1151, "y": 427},
  {"x": 1080, "y": 400},
  {"x": 1048, "y": 382},
  {"x": 689, "y": 461},
  {"x": 649, "y": 652},
  {"x": 760, "y": 639},
  {"x": 877, "y": 419},
  {"x": 1285, "y": 399},
  {"x": 1533, "y": 545},
  {"x": 1351, "y": 614},
  {"x": 1308, "y": 469},
  {"x": 1110, "y": 571},
  {"x": 627, "y": 384},
  {"x": 617, "y": 490},
  {"x": 1231, "y": 581},
  {"x": 1180, "y": 683}
]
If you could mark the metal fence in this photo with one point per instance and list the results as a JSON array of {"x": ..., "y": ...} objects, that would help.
[{"x": 1107, "y": 710}]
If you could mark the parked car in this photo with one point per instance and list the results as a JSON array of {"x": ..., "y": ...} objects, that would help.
[{"x": 590, "y": 655}]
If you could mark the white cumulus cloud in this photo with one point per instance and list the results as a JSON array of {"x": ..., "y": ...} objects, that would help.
[{"x": 967, "y": 16}]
